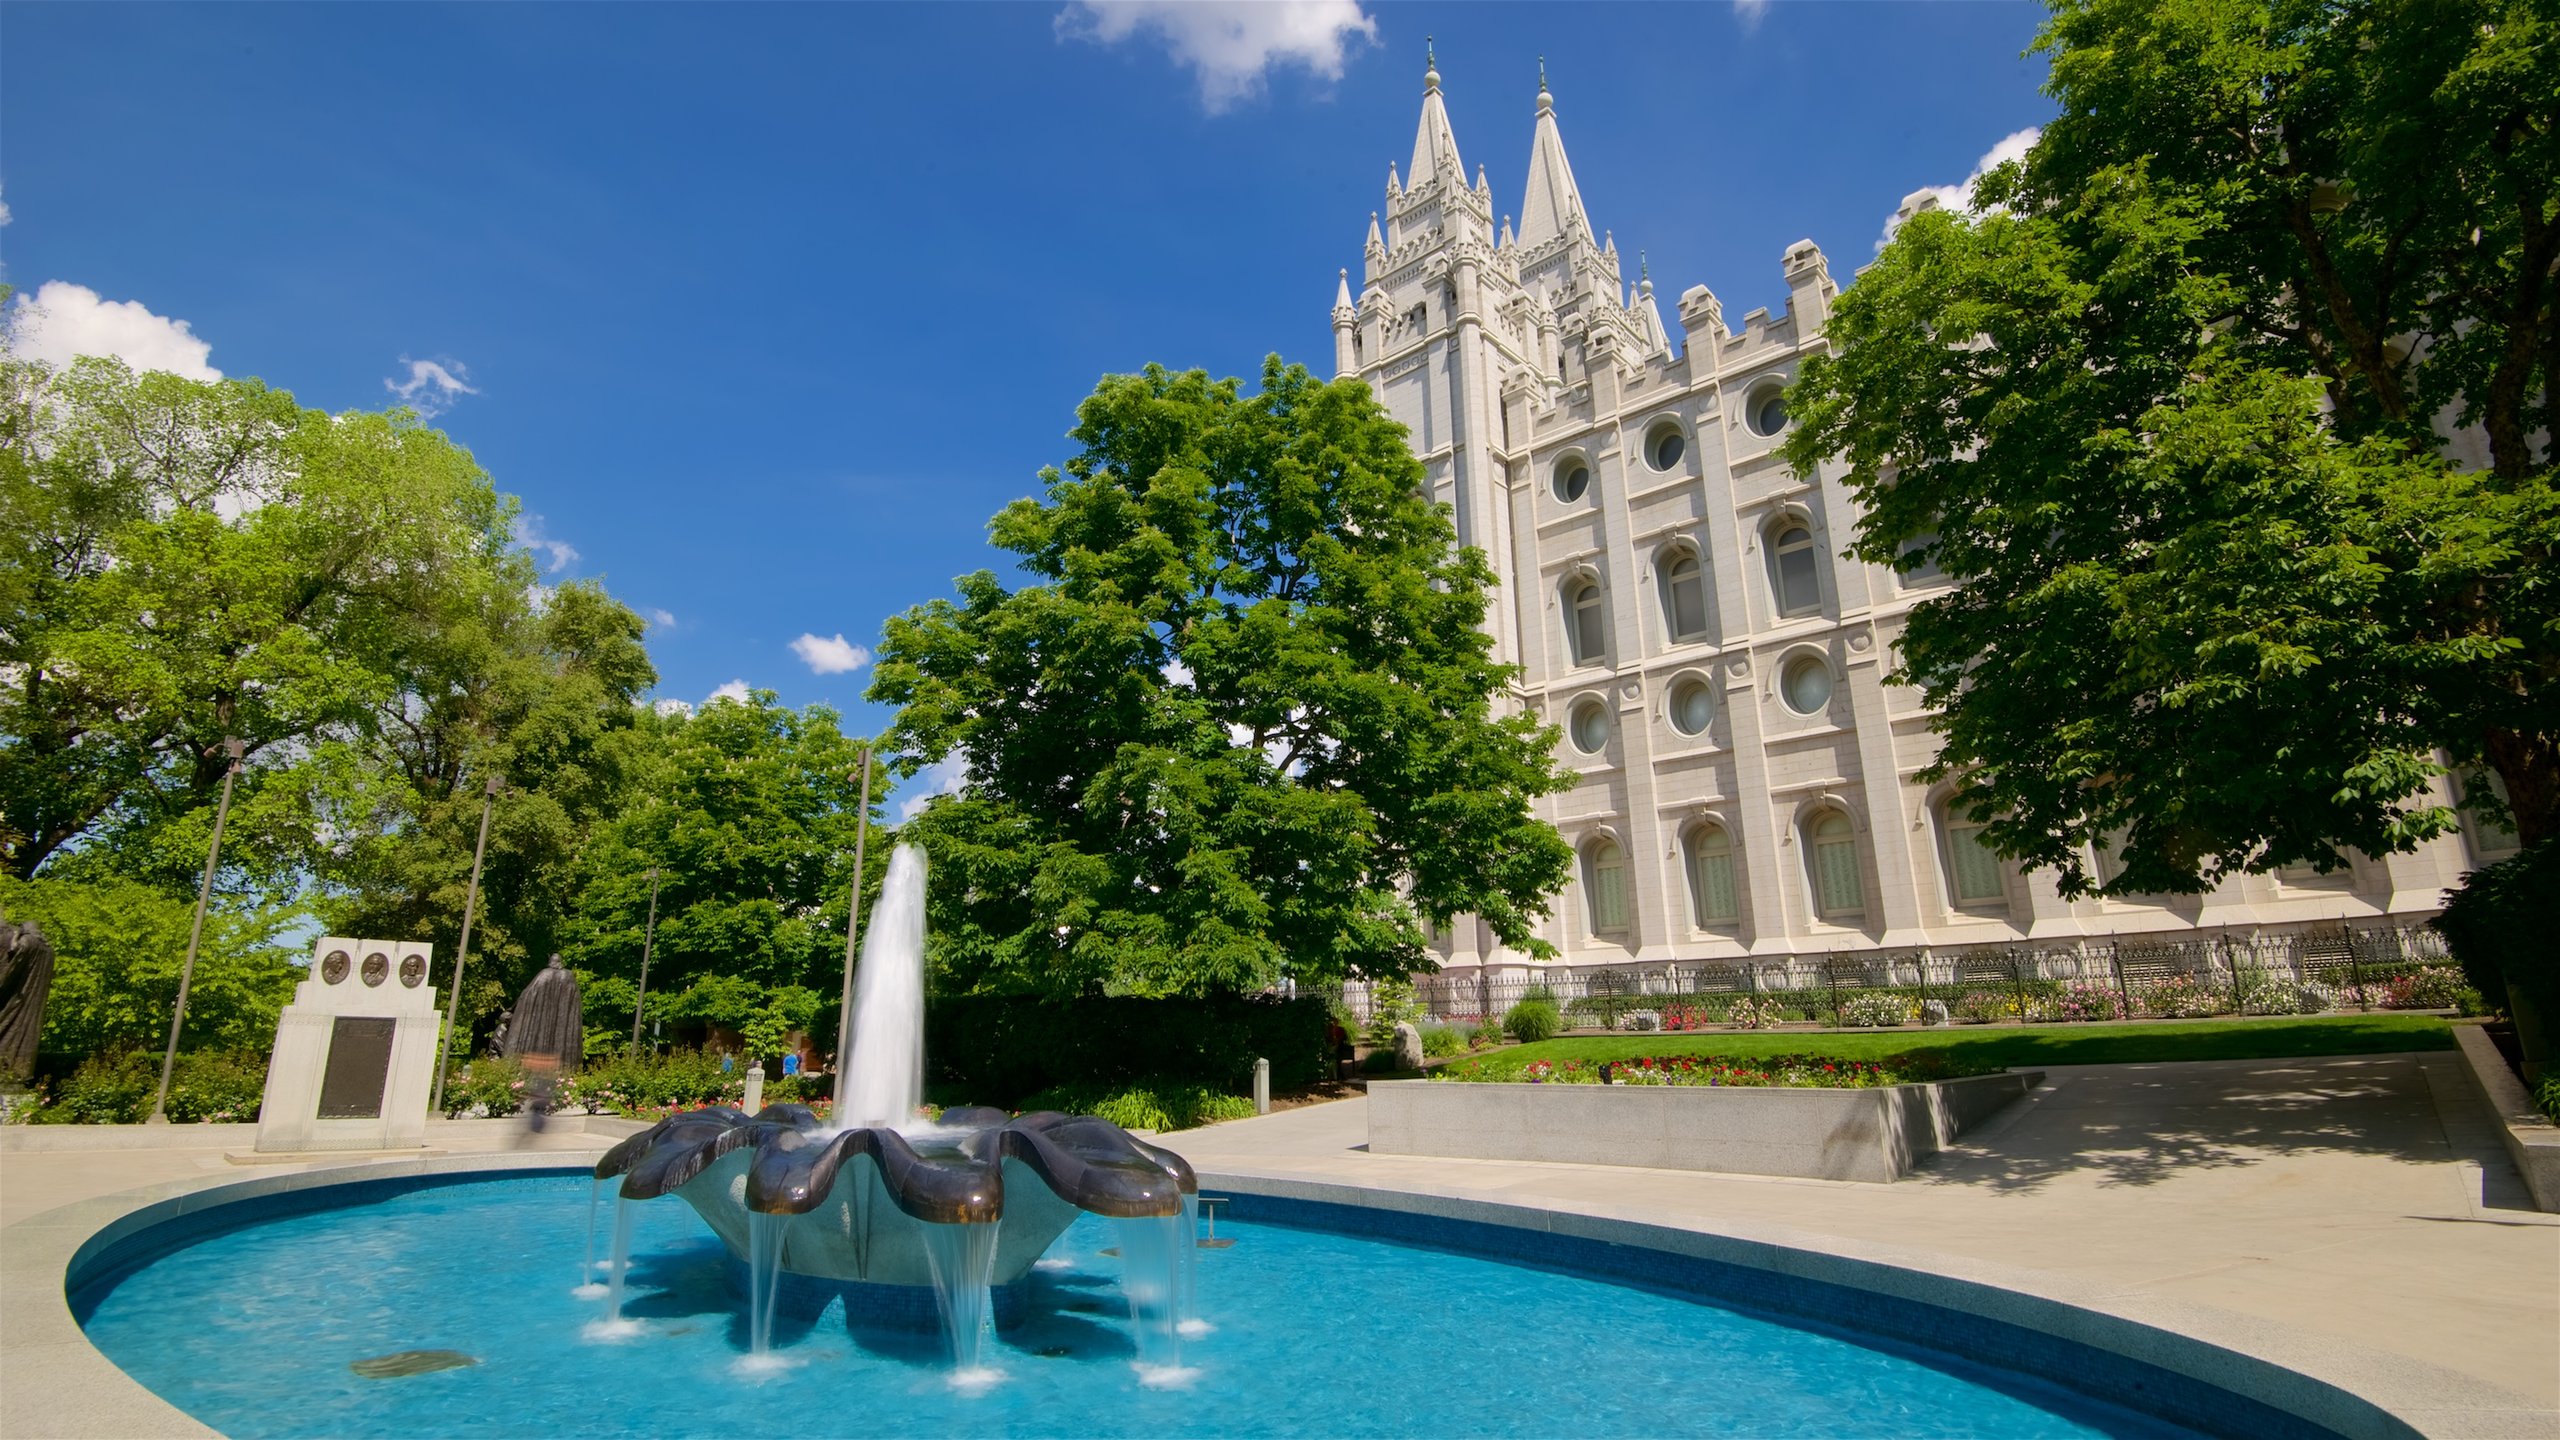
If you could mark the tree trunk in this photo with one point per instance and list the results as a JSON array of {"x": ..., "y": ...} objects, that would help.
[{"x": 2529, "y": 767}]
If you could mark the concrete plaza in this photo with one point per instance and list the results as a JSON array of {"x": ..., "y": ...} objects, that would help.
[{"x": 2355, "y": 1218}]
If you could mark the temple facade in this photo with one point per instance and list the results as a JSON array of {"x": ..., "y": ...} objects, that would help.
[{"x": 1675, "y": 597}]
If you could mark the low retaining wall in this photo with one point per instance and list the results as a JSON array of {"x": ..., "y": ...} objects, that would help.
[
  {"x": 2532, "y": 1141},
  {"x": 1873, "y": 1135}
]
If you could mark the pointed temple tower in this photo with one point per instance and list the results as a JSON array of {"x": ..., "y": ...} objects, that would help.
[{"x": 1676, "y": 600}]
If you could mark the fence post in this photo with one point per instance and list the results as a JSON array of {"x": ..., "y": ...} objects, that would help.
[
  {"x": 2018, "y": 985},
  {"x": 2115, "y": 963}
]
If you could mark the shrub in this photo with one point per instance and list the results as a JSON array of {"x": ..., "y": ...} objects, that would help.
[
  {"x": 1391, "y": 1003},
  {"x": 1874, "y": 1010},
  {"x": 1442, "y": 1041},
  {"x": 2269, "y": 992},
  {"x": 1380, "y": 1062},
  {"x": 493, "y": 1085},
  {"x": 2184, "y": 997},
  {"x": 108, "y": 1090},
  {"x": 1483, "y": 1033},
  {"x": 1981, "y": 1006},
  {"x": 2433, "y": 987},
  {"x": 2077, "y": 1000},
  {"x": 1532, "y": 1020},
  {"x": 996, "y": 1049},
  {"x": 217, "y": 1087},
  {"x": 1147, "y": 1105},
  {"x": 2546, "y": 1097}
]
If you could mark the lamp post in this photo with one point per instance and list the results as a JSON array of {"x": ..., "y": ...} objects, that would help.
[
  {"x": 852, "y": 930},
  {"x": 462, "y": 952},
  {"x": 195, "y": 934},
  {"x": 648, "y": 942}
]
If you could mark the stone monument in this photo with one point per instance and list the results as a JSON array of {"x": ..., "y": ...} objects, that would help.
[
  {"x": 355, "y": 1051},
  {"x": 26, "y": 974},
  {"x": 548, "y": 1019}
]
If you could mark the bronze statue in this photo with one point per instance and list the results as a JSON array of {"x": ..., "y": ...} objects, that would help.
[
  {"x": 26, "y": 974},
  {"x": 549, "y": 1019}
]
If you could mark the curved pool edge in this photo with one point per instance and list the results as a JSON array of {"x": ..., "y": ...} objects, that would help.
[
  {"x": 61, "y": 1385},
  {"x": 2329, "y": 1384}
]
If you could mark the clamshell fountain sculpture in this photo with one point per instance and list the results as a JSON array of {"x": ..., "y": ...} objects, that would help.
[{"x": 912, "y": 1221}]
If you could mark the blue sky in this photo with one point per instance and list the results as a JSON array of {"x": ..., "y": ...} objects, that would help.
[{"x": 763, "y": 310}]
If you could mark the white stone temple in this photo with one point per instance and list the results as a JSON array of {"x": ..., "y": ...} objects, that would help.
[{"x": 1675, "y": 598}]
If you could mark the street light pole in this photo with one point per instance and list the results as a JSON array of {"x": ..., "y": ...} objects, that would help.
[
  {"x": 648, "y": 941},
  {"x": 195, "y": 933},
  {"x": 853, "y": 930},
  {"x": 462, "y": 952}
]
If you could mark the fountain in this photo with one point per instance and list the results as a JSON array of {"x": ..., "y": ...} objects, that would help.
[{"x": 911, "y": 1223}]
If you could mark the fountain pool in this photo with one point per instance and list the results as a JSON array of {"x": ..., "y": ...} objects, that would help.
[{"x": 258, "y": 1330}]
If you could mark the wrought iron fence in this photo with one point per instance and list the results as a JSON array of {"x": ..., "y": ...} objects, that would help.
[{"x": 2189, "y": 976}]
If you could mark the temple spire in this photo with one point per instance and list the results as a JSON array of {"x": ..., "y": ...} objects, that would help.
[
  {"x": 1435, "y": 145},
  {"x": 1554, "y": 205}
]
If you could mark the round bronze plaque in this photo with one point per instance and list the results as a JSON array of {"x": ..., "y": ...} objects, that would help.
[
  {"x": 334, "y": 968},
  {"x": 377, "y": 968},
  {"x": 413, "y": 969}
]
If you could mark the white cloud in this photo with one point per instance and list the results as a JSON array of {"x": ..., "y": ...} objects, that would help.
[
  {"x": 661, "y": 619},
  {"x": 944, "y": 777},
  {"x": 1233, "y": 44},
  {"x": 2013, "y": 146},
  {"x": 673, "y": 707},
  {"x": 5, "y": 216},
  {"x": 830, "y": 656},
  {"x": 539, "y": 596},
  {"x": 432, "y": 386},
  {"x": 734, "y": 690},
  {"x": 528, "y": 533},
  {"x": 1749, "y": 13},
  {"x": 62, "y": 321}
]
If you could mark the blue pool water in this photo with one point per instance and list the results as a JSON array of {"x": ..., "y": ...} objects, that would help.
[{"x": 253, "y": 1331}]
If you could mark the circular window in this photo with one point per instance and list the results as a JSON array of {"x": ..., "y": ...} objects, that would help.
[
  {"x": 1806, "y": 686},
  {"x": 334, "y": 968},
  {"x": 1590, "y": 727},
  {"x": 1665, "y": 446},
  {"x": 1691, "y": 707},
  {"x": 1768, "y": 411},
  {"x": 1573, "y": 480}
]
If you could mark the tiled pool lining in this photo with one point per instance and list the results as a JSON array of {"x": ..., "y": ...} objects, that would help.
[{"x": 2215, "y": 1369}]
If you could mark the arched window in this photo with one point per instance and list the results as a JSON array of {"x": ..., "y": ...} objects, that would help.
[
  {"x": 1974, "y": 873},
  {"x": 1838, "y": 893},
  {"x": 1693, "y": 707},
  {"x": 1684, "y": 595},
  {"x": 1792, "y": 577},
  {"x": 1714, "y": 898},
  {"x": 1586, "y": 622},
  {"x": 1604, "y": 885},
  {"x": 1664, "y": 447}
]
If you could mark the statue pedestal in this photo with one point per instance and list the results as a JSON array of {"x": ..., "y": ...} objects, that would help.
[{"x": 355, "y": 1052}]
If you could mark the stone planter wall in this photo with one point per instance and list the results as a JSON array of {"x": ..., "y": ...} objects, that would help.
[{"x": 1872, "y": 1135}]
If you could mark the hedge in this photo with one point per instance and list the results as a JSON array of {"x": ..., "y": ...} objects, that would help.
[{"x": 1001, "y": 1049}]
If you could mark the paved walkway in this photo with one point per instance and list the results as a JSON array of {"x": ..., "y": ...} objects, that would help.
[
  {"x": 2363, "y": 1199},
  {"x": 2360, "y": 1202}
]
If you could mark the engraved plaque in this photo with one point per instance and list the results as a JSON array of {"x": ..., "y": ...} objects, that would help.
[
  {"x": 334, "y": 969},
  {"x": 413, "y": 970},
  {"x": 359, "y": 1067},
  {"x": 377, "y": 968}
]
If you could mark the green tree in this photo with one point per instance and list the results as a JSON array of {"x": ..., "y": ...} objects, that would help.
[
  {"x": 1242, "y": 729},
  {"x": 2232, "y": 412},
  {"x": 181, "y": 561},
  {"x": 747, "y": 810},
  {"x": 118, "y": 947}
]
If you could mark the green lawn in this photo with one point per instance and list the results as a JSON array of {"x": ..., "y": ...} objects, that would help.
[{"x": 2002, "y": 1045}]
